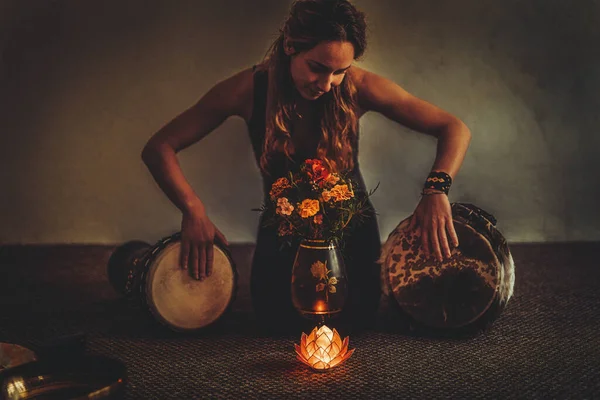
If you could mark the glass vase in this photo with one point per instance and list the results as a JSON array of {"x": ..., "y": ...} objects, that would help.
[{"x": 319, "y": 281}]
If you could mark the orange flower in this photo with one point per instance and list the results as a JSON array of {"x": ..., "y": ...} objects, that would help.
[
  {"x": 318, "y": 219},
  {"x": 316, "y": 171},
  {"x": 332, "y": 179},
  {"x": 308, "y": 208},
  {"x": 284, "y": 207},
  {"x": 278, "y": 187},
  {"x": 326, "y": 195},
  {"x": 341, "y": 192}
]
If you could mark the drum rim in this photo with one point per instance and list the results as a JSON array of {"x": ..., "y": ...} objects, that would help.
[
  {"x": 462, "y": 221},
  {"x": 130, "y": 249},
  {"x": 113, "y": 372},
  {"x": 152, "y": 254}
]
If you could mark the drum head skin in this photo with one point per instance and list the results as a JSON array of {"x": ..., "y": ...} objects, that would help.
[
  {"x": 475, "y": 282},
  {"x": 451, "y": 293},
  {"x": 184, "y": 303}
]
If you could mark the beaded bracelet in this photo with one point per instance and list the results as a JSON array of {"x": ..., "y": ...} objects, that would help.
[{"x": 438, "y": 180}]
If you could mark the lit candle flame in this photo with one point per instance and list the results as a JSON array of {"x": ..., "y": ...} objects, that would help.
[{"x": 320, "y": 306}]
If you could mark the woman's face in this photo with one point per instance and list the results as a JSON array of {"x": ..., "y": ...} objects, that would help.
[{"x": 317, "y": 70}]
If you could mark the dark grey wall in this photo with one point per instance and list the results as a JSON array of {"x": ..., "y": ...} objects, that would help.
[{"x": 85, "y": 83}]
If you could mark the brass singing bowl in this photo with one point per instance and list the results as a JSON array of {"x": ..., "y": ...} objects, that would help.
[
  {"x": 12, "y": 354},
  {"x": 85, "y": 377}
]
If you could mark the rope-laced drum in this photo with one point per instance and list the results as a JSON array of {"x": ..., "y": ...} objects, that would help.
[
  {"x": 173, "y": 297},
  {"x": 465, "y": 292}
]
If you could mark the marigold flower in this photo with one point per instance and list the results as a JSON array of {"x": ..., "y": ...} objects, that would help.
[
  {"x": 278, "y": 187},
  {"x": 332, "y": 179},
  {"x": 308, "y": 208},
  {"x": 284, "y": 207},
  {"x": 341, "y": 192},
  {"x": 316, "y": 192}
]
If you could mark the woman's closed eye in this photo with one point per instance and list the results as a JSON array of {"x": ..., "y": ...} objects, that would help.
[{"x": 320, "y": 70}]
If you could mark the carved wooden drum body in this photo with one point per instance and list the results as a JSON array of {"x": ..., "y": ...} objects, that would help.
[
  {"x": 468, "y": 290},
  {"x": 153, "y": 274}
]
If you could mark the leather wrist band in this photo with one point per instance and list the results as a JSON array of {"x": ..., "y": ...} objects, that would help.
[{"x": 438, "y": 180}]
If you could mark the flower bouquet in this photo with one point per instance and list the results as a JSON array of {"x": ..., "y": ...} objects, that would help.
[{"x": 315, "y": 203}]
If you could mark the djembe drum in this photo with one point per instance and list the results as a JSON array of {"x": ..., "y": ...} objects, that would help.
[
  {"x": 462, "y": 294},
  {"x": 153, "y": 275}
]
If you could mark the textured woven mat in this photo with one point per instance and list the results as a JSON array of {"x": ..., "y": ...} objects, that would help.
[{"x": 546, "y": 344}]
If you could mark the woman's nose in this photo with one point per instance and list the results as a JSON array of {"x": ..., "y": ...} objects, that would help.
[{"x": 325, "y": 83}]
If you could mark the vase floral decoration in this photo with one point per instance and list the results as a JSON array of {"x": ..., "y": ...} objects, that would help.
[
  {"x": 318, "y": 207},
  {"x": 315, "y": 203}
]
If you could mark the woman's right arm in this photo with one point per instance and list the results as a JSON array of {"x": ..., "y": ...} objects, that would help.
[{"x": 227, "y": 98}]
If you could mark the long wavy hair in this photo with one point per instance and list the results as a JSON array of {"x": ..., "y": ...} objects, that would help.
[{"x": 309, "y": 23}]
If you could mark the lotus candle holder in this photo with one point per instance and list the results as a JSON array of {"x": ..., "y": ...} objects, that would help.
[{"x": 323, "y": 349}]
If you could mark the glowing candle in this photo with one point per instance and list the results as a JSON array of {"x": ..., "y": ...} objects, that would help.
[
  {"x": 323, "y": 349},
  {"x": 320, "y": 307}
]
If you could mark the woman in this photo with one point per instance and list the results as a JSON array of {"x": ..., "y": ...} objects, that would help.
[{"x": 304, "y": 101}]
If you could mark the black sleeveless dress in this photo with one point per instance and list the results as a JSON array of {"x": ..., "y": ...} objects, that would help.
[{"x": 270, "y": 282}]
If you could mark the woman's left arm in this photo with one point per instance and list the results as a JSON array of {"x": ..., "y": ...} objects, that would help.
[{"x": 432, "y": 216}]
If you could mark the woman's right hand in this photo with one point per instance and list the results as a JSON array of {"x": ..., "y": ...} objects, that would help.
[{"x": 198, "y": 234}]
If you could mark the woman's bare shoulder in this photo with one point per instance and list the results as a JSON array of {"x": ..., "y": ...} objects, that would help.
[
  {"x": 238, "y": 90},
  {"x": 357, "y": 75},
  {"x": 376, "y": 93}
]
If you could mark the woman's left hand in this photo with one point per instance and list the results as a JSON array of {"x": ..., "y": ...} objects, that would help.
[{"x": 433, "y": 218}]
